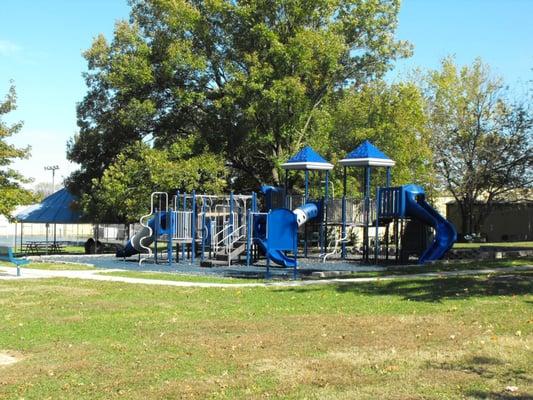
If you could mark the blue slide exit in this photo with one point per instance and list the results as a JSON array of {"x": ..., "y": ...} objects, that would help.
[
  {"x": 445, "y": 233},
  {"x": 277, "y": 256},
  {"x": 277, "y": 232}
]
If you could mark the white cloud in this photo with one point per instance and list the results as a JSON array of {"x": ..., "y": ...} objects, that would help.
[{"x": 7, "y": 47}]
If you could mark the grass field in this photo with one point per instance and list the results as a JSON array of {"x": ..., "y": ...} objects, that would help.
[{"x": 403, "y": 339}]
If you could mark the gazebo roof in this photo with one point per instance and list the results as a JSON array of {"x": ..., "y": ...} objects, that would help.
[
  {"x": 307, "y": 159},
  {"x": 55, "y": 209},
  {"x": 367, "y": 155}
]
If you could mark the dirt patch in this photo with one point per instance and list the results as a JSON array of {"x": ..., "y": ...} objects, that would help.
[{"x": 8, "y": 358}]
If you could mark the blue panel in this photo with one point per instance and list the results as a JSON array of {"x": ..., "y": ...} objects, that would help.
[
  {"x": 391, "y": 202},
  {"x": 282, "y": 230},
  {"x": 366, "y": 150}
]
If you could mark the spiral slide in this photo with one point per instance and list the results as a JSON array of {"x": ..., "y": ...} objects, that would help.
[
  {"x": 445, "y": 233},
  {"x": 147, "y": 234}
]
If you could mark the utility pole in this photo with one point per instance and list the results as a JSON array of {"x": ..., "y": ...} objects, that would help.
[{"x": 52, "y": 168}]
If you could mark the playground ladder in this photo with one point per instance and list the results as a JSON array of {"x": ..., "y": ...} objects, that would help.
[{"x": 338, "y": 240}]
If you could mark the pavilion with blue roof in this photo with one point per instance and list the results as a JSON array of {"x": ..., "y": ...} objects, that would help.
[{"x": 54, "y": 209}]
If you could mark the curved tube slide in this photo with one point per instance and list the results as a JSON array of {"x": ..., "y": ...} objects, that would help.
[
  {"x": 445, "y": 233},
  {"x": 147, "y": 234},
  {"x": 282, "y": 235}
]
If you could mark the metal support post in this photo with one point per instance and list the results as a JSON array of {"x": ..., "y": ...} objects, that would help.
[
  {"x": 183, "y": 244},
  {"x": 306, "y": 196},
  {"x": 193, "y": 227},
  {"x": 366, "y": 237},
  {"x": 323, "y": 245},
  {"x": 204, "y": 236},
  {"x": 376, "y": 244},
  {"x": 170, "y": 230},
  {"x": 249, "y": 221},
  {"x": 286, "y": 189},
  {"x": 343, "y": 233}
]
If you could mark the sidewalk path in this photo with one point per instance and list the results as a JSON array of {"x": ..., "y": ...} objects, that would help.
[{"x": 9, "y": 273}]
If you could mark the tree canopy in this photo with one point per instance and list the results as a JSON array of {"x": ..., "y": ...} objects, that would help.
[
  {"x": 123, "y": 192},
  {"x": 11, "y": 191},
  {"x": 245, "y": 78},
  {"x": 482, "y": 141},
  {"x": 393, "y": 118}
]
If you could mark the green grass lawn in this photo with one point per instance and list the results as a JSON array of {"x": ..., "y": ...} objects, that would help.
[
  {"x": 467, "y": 337},
  {"x": 492, "y": 244}
]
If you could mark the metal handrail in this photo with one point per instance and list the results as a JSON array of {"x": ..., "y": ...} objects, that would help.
[
  {"x": 229, "y": 245},
  {"x": 217, "y": 244}
]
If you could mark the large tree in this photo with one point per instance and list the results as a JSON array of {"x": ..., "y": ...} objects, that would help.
[
  {"x": 247, "y": 77},
  {"x": 12, "y": 192},
  {"x": 482, "y": 140}
]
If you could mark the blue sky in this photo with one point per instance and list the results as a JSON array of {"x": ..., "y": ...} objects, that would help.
[{"x": 41, "y": 44}]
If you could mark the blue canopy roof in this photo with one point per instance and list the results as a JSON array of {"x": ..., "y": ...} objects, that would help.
[
  {"x": 309, "y": 159},
  {"x": 367, "y": 154},
  {"x": 55, "y": 209}
]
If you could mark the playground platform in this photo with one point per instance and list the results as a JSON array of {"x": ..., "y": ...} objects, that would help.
[{"x": 306, "y": 268}]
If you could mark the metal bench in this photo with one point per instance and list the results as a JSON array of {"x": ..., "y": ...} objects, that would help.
[{"x": 6, "y": 254}]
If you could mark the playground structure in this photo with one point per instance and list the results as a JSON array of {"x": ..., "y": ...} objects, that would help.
[{"x": 280, "y": 225}]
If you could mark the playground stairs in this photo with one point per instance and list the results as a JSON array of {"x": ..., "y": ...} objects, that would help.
[{"x": 234, "y": 254}]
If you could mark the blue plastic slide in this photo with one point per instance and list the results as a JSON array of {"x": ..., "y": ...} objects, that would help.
[
  {"x": 277, "y": 232},
  {"x": 445, "y": 233},
  {"x": 147, "y": 234}
]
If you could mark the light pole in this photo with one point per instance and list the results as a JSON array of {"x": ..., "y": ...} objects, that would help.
[{"x": 52, "y": 168}]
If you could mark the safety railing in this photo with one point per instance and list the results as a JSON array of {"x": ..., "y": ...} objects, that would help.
[
  {"x": 182, "y": 224},
  {"x": 355, "y": 211},
  {"x": 225, "y": 235},
  {"x": 390, "y": 202}
]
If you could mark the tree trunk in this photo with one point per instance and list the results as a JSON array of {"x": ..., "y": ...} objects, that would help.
[
  {"x": 464, "y": 222},
  {"x": 275, "y": 176}
]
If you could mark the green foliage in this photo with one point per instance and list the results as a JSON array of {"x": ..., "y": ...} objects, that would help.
[
  {"x": 123, "y": 192},
  {"x": 481, "y": 140},
  {"x": 390, "y": 116},
  {"x": 12, "y": 193},
  {"x": 247, "y": 78}
]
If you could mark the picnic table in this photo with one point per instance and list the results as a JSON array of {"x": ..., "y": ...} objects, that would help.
[{"x": 37, "y": 247}]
